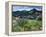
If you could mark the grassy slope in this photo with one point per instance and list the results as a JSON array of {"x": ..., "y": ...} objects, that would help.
[{"x": 31, "y": 25}]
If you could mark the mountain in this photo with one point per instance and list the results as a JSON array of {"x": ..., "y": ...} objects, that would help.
[
  {"x": 34, "y": 10},
  {"x": 33, "y": 13}
]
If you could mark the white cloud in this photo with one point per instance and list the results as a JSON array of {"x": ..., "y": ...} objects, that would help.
[{"x": 20, "y": 8}]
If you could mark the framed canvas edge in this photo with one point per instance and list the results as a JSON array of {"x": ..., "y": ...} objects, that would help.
[{"x": 7, "y": 19}]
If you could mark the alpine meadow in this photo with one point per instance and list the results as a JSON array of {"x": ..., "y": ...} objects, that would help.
[{"x": 26, "y": 18}]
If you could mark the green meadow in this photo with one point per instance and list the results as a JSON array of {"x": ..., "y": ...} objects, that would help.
[{"x": 21, "y": 25}]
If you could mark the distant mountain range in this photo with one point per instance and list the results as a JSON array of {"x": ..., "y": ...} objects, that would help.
[{"x": 32, "y": 12}]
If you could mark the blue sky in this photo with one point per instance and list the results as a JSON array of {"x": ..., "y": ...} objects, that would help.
[{"x": 20, "y": 8}]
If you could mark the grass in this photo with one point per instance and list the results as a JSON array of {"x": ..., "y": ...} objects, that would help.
[{"x": 21, "y": 25}]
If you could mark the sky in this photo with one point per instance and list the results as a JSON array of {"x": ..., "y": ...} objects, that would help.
[{"x": 20, "y": 8}]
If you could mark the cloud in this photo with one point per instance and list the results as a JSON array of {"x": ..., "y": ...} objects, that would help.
[{"x": 20, "y": 8}]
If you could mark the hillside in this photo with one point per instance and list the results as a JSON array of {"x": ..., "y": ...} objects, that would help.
[{"x": 34, "y": 13}]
